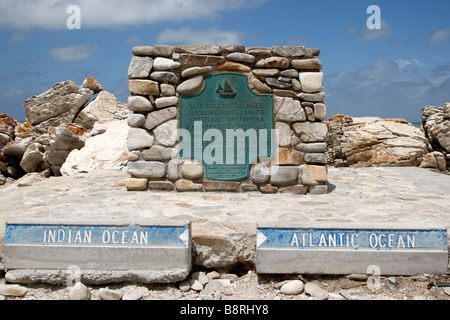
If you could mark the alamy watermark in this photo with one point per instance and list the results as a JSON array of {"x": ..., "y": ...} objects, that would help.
[
  {"x": 374, "y": 21},
  {"x": 74, "y": 20}
]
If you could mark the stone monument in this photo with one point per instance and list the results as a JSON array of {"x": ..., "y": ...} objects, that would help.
[{"x": 227, "y": 118}]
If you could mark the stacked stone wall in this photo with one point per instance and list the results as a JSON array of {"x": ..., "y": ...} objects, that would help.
[{"x": 157, "y": 78}]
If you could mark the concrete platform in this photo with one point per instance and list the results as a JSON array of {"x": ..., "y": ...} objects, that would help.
[{"x": 224, "y": 224}]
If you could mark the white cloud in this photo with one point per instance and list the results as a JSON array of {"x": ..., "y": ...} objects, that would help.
[
  {"x": 51, "y": 14},
  {"x": 211, "y": 36},
  {"x": 385, "y": 31},
  {"x": 73, "y": 53},
  {"x": 440, "y": 36},
  {"x": 403, "y": 63}
]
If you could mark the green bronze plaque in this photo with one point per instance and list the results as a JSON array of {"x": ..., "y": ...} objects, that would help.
[{"x": 227, "y": 126}]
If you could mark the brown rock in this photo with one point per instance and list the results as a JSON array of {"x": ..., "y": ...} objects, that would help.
[
  {"x": 220, "y": 186},
  {"x": 234, "y": 67}
]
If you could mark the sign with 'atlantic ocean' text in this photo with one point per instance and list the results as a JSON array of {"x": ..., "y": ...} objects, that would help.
[{"x": 342, "y": 248}]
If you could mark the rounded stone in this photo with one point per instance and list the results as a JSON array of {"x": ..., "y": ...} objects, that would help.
[
  {"x": 139, "y": 104},
  {"x": 191, "y": 86},
  {"x": 108, "y": 294},
  {"x": 136, "y": 120},
  {"x": 192, "y": 170},
  {"x": 293, "y": 287}
]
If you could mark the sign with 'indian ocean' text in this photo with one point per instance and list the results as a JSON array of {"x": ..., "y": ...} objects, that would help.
[
  {"x": 111, "y": 245},
  {"x": 341, "y": 248}
]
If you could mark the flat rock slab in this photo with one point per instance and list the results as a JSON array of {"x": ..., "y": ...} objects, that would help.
[
  {"x": 97, "y": 249},
  {"x": 346, "y": 248}
]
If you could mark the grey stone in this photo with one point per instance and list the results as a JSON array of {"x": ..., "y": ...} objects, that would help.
[
  {"x": 165, "y": 76},
  {"x": 161, "y": 185},
  {"x": 288, "y": 110},
  {"x": 191, "y": 86},
  {"x": 147, "y": 169},
  {"x": 56, "y": 106},
  {"x": 132, "y": 295},
  {"x": 162, "y": 51},
  {"x": 191, "y": 60},
  {"x": 108, "y": 294},
  {"x": 312, "y": 147},
  {"x": 288, "y": 51},
  {"x": 155, "y": 118},
  {"x": 312, "y": 97},
  {"x": 172, "y": 170},
  {"x": 79, "y": 292},
  {"x": 311, "y": 131},
  {"x": 201, "y": 277},
  {"x": 260, "y": 173},
  {"x": 136, "y": 120},
  {"x": 278, "y": 84},
  {"x": 139, "y": 104},
  {"x": 195, "y": 71},
  {"x": 165, "y": 102},
  {"x": 164, "y": 64},
  {"x": 167, "y": 133},
  {"x": 296, "y": 85},
  {"x": 316, "y": 158},
  {"x": 167, "y": 90},
  {"x": 197, "y": 49},
  {"x": 142, "y": 51},
  {"x": 184, "y": 286},
  {"x": 195, "y": 285},
  {"x": 315, "y": 291},
  {"x": 292, "y": 287},
  {"x": 283, "y": 175},
  {"x": 231, "y": 48},
  {"x": 139, "y": 138},
  {"x": 284, "y": 134},
  {"x": 17, "y": 148},
  {"x": 33, "y": 158},
  {"x": 158, "y": 153},
  {"x": 266, "y": 72},
  {"x": 140, "y": 67},
  {"x": 241, "y": 57},
  {"x": 320, "y": 111},
  {"x": 259, "y": 52},
  {"x": 318, "y": 189},
  {"x": 291, "y": 73}
]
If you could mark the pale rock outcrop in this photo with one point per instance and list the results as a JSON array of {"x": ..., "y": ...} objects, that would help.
[
  {"x": 372, "y": 141},
  {"x": 105, "y": 149}
]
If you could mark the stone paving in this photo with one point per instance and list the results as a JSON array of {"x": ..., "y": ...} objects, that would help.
[{"x": 224, "y": 224}]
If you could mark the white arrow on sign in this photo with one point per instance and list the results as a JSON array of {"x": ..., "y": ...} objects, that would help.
[
  {"x": 184, "y": 237},
  {"x": 260, "y": 238}
]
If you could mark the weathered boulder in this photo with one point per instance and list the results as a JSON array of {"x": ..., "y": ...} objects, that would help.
[
  {"x": 56, "y": 106},
  {"x": 64, "y": 139},
  {"x": 103, "y": 107},
  {"x": 7, "y": 126},
  {"x": 436, "y": 124},
  {"x": 372, "y": 141},
  {"x": 105, "y": 150}
]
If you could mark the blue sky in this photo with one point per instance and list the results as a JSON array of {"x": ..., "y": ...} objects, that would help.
[{"x": 390, "y": 73}]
